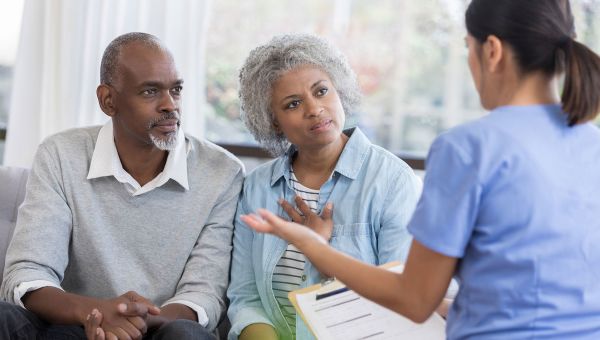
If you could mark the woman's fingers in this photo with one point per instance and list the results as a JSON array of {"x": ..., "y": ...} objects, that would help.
[
  {"x": 257, "y": 223},
  {"x": 327, "y": 212},
  {"x": 267, "y": 222},
  {"x": 303, "y": 207},
  {"x": 290, "y": 211},
  {"x": 273, "y": 220}
]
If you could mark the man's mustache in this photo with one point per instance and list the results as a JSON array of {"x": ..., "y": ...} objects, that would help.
[{"x": 165, "y": 116}]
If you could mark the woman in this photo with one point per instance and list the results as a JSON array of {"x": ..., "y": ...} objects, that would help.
[
  {"x": 510, "y": 201},
  {"x": 295, "y": 92}
]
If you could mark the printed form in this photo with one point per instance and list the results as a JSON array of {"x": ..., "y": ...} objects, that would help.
[{"x": 347, "y": 315}]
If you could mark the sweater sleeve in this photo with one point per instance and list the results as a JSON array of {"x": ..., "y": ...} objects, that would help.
[
  {"x": 39, "y": 248},
  {"x": 206, "y": 274}
]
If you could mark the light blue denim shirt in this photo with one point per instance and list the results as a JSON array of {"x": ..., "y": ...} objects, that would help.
[{"x": 374, "y": 194}]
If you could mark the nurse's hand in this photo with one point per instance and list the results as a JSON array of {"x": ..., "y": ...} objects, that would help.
[
  {"x": 323, "y": 224},
  {"x": 294, "y": 233}
]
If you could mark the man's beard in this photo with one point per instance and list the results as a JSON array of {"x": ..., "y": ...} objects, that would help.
[{"x": 168, "y": 142}]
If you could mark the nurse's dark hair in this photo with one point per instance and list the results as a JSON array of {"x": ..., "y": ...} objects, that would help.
[{"x": 542, "y": 35}]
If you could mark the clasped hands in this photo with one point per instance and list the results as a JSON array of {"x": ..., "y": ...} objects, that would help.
[
  {"x": 130, "y": 315},
  {"x": 126, "y": 317}
]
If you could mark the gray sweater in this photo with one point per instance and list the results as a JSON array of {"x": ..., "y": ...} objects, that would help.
[{"x": 93, "y": 238}]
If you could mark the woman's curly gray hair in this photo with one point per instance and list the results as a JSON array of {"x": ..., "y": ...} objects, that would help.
[{"x": 268, "y": 62}]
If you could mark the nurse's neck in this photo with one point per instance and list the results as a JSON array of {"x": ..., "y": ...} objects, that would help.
[{"x": 536, "y": 88}]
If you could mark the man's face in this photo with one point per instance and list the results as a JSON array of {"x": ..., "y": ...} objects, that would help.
[{"x": 147, "y": 97}]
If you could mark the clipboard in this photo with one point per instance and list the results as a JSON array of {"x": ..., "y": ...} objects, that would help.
[
  {"x": 331, "y": 286},
  {"x": 434, "y": 328}
]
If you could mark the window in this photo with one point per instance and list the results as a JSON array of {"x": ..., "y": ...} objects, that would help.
[
  {"x": 10, "y": 16},
  {"x": 409, "y": 56}
]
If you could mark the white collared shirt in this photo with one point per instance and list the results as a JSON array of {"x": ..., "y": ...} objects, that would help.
[{"x": 106, "y": 162}]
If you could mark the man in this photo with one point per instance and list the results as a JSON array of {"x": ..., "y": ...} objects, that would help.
[{"x": 126, "y": 217}]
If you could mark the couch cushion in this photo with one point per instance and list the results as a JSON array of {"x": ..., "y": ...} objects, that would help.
[{"x": 12, "y": 182}]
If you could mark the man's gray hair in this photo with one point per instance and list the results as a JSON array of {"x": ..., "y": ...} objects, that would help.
[
  {"x": 268, "y": 62},
  {"x": 110, "y": 58}
]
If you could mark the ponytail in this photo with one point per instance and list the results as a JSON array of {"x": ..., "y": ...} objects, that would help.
[
  {"x": 541, "y": 36},
  {"x": 581, "y": 94}
]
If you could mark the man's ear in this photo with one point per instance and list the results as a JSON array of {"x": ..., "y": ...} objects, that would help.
[
  {"x": 493, "y": 52},
  {"x": 105, "y": 99}
]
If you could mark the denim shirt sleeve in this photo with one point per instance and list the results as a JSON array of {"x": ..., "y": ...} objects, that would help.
[
  {"x": 394, "y": 239},
  {"x": 245, "y": 304}
]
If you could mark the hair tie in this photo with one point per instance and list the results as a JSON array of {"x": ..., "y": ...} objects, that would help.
[{"x": 565, "y": 42}]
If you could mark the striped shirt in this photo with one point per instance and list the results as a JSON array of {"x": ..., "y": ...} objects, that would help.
[{"x": 289, "y": 271}]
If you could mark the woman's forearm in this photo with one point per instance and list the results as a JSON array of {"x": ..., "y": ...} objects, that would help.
[{"x": 416, "y": 293}]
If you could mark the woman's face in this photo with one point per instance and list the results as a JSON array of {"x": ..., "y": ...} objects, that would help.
[{"x": 307, "y": 108}]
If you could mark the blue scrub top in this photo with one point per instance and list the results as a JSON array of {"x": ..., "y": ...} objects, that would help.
[{"x": 516, "y": 197}]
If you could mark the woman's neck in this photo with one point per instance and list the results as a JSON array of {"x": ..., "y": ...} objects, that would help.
[
  {"x": 534, "y": 89},
  {"x": 313, "y": 166}
]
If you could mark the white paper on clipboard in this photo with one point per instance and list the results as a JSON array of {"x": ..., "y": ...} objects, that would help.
[{"x": 349, "y": 316}]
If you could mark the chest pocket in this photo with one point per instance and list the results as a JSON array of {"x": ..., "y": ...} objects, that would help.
[{"x": 355, "y": 239}]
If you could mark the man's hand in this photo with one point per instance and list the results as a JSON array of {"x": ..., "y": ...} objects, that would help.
[
  {"x": 93, "y": 331},
  {"x": 322, "y": 225},
  {"x": 121, "y": 318},
  {"x": 138, "y": 311},
  {"x": 138, "y": 306},
  {"x": 170, "y": 312}
]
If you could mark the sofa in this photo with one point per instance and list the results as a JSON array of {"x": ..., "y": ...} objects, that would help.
[{"x": 12, "y": 193}]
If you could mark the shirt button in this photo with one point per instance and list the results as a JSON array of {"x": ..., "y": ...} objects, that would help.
[{"x": 303, "y": 278}]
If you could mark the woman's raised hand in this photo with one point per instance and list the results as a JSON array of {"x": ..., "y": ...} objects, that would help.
[{"x": 323, "y": 224}]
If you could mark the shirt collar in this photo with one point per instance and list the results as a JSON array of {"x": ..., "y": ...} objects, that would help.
[
  {"x": 349, "y": 164},
  {"x": 354, "y": 154},
  {"x": 105, "y": 159}
]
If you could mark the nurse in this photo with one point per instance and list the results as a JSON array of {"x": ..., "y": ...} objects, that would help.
[{"x": 510, "y": 202}]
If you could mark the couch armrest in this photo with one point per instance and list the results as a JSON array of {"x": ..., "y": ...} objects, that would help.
[{"x": 12, "y": 181}]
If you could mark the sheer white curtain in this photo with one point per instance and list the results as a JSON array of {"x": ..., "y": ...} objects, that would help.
[{"x": 58, "y": 63}]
